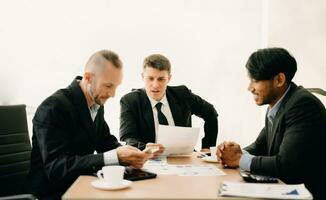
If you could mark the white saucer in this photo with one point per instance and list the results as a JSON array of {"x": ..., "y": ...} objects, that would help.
[
  {"x": 210, "y": 159},
  {"x": 100, "y": 184}
]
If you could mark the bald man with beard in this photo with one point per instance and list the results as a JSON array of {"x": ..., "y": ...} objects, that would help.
[{"x": 69, "y": 127}]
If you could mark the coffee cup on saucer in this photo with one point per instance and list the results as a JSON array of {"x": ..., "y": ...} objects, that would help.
[
  {"x": 213, "y": 158},
  {"x": 213, "y": 153},
  {"x": 112, "y": 175}
]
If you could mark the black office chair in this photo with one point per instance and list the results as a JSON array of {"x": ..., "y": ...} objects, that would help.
[{"x": 15, "y": 151}]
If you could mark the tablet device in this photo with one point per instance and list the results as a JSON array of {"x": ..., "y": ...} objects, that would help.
[{"x": 137, "y": 174}]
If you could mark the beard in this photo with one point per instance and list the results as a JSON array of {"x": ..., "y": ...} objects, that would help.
[
  {"x": 91, "y": 89},
  {"x": 98, "y": 101},
  {"x": 271, "y": 98}
]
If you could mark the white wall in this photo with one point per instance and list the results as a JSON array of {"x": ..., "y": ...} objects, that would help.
[
  {"x": 44, "y": 44},
  {"x": 300, "y": 26}
]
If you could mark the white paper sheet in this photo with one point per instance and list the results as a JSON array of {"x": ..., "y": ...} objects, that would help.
[
  {"x": 263, "y": 190},
  {"x": 198, "y": 170},
  {"x": 177, "y": 140},
  {"x": 159, "y": 160},
  {"x": 184, "y": 170}
]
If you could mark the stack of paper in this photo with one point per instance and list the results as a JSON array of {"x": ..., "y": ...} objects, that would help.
[{"x": 261, "y": 190}]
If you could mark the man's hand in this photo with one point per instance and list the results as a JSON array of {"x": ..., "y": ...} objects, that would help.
[
  {"x": 158, "y": 148},
  {"x": 230, "y": 154},
  {"x": 131, "y": 156}
]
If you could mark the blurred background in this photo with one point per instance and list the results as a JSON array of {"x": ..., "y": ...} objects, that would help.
[{"x": 44, "y": 44}]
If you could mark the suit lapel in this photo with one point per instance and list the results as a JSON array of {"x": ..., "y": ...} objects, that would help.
[
  {"x": 278, "y": 117},
  {"x": 174, "y": 107},
  {"x": 82, "y": 110},
  {"x": 148, "y": 113}
]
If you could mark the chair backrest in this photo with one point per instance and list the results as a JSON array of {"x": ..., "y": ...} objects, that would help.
[
  {"x": 15, "y": 149},
  {"x": 317, "y": 91}
]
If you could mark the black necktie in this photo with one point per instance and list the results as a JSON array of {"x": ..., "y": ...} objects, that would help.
[{"x": 161, "y": 117}]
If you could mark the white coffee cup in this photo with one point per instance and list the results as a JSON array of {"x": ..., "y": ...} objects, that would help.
[
  {"x": 112, "y": 175},
  {"x": 213, "y": 153}
]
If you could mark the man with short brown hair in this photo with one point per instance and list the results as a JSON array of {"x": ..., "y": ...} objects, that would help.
[{"x": 142, "y": 110}]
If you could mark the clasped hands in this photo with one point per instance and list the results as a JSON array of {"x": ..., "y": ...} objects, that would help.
[{"x": 229, "y": 153}]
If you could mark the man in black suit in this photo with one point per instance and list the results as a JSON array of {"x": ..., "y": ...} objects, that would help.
[
  {"x": 143, "y": 109},
  {"x": 69, "y": 126},
  {"x": 291, "y": 144}
]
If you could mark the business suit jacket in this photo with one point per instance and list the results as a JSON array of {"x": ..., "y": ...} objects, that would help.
[
  {"x": 137, "y": 122},
  {"x": 64, "y": 140},
  {"x": 292, "y": 150}
]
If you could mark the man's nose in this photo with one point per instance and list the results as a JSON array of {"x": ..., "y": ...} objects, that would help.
[
  {"x": 111, "y": 93},
  {"x": 155, "y": 84}
]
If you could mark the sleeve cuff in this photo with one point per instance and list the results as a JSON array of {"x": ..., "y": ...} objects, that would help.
[
  {"x": 245, "y": 160},
  {"x": 111, "y": 157}
]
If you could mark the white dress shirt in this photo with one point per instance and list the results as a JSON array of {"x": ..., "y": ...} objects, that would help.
[{"x": 165, "y": 110}]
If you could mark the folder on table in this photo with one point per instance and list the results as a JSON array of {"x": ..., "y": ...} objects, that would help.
[{"x": 263, "y": 190}]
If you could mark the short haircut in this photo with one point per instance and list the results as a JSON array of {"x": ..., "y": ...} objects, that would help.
[
  {"x": 266, "y": 63},
  {"x": 157, "y": 61},
  {"x": 96, "y": 62}
]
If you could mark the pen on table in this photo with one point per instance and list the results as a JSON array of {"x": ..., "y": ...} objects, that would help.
[{"x": 201, "y": 155}]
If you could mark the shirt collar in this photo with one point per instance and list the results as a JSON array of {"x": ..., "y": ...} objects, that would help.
[
  {"x": 94, "y": 107},
  {"x": 153, "y": 102},
  {"x": 272, "y": 111}
]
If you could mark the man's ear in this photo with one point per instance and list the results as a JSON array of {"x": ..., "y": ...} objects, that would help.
[
  {"x": 280, "y": 79},
  {"x": 169, "y": 78},
  {"x": 142, "y": 75},
  {"x": 88, "y": 77}
]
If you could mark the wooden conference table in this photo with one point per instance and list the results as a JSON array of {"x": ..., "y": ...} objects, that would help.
[{"x": 163, "y": 187}]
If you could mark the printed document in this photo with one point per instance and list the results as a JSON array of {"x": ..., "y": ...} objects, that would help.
[
  {"x": 183, "y": 170},
  {"x": 177, "y": 140}
]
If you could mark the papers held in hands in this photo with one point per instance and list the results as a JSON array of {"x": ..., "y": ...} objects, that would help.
[
  {"x": 261, "y": 190},
  {"x": 177, "y": 140},
  {"x": 152, "y": 149}
]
